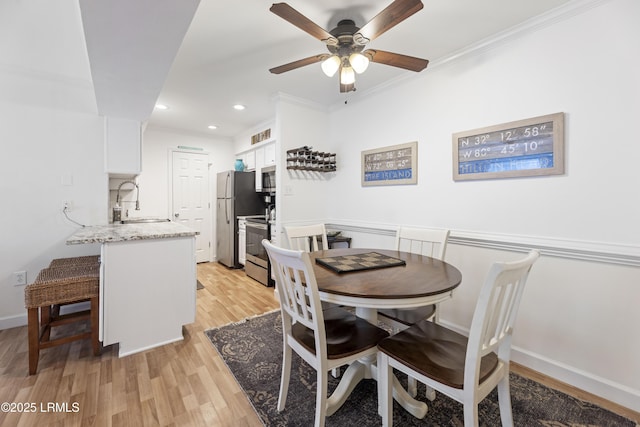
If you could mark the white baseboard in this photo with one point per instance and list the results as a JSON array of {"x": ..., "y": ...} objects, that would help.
[
  {"x": 615, "y": 392},
  {"x": 606, "y": 389},
  {"x": 13, "y": 321},
  {"x": 21, "y": 319}
]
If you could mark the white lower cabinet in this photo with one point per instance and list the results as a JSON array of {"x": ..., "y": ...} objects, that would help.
[
  {"x": 148, "y": 292},
  {"x": 242, "y": 241}
]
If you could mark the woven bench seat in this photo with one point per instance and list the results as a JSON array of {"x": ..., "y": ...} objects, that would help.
[
  {"x": 69, "y": 282},
  {"x": 63, "y": 285},
  {"x": 73, "y": 261}
]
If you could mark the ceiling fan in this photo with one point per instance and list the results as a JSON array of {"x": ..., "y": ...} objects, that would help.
[{"x": 346, "y": 42}]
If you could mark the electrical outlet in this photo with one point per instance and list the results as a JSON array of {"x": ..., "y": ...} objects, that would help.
[{"x": 19, "y": 278}]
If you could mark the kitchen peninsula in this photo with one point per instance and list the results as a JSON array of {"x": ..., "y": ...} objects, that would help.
[{"x": 147, "y": 282}]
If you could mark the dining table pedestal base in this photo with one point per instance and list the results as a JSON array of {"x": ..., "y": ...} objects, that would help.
[{"x": 366, "y": 369}]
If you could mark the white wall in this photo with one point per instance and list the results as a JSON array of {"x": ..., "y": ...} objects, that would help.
[
  {"x": 51, "y": 140},
  {"x": 584, "y": 66},
  {"x": 578, "y": 318}
]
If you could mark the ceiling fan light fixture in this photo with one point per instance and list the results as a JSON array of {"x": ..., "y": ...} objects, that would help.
[
  {"x": 359, "y": 62},
  {"x": 347, "y": 76},
  {"x": 330, "y": 65}
]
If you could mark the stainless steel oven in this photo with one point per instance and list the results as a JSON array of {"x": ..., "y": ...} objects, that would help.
[{"x": 257, "y": 265}]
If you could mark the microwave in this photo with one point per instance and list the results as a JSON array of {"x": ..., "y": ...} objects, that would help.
[{"x": 269, "y": 179}]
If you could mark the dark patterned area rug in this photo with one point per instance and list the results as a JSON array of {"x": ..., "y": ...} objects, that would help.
[{"x": 252, "y": 349}]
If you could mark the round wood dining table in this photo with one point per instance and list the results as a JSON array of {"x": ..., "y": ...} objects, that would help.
[{"x": 422, "y": 280}]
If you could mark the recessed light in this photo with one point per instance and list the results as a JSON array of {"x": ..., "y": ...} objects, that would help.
[
  {"x": 212, "y": 127},
  {"x": 161, "y": 107},
  {"x": 239, "y": 107}
]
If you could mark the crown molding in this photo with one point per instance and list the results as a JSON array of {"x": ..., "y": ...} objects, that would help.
[{"x": 530, "y": 26}]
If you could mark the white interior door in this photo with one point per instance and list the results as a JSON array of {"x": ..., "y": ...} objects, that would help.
[{"x": 191, "y": 198}]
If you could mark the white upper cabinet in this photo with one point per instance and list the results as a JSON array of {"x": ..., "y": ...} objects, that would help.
[
  {"x": 250, "y": 160},
  {"x": 261, "y": 155},
  {"x": 270, "y": 154},
  {"x": 123, "y": 146},
  {"x": 259, "y": 164}
]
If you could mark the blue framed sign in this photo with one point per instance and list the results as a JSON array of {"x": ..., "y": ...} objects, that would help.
[
  {"x": 393, "y": 165},
  {"x": 529, "y": 147}
]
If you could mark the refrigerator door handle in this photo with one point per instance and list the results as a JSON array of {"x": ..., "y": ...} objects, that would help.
[{"x": 226, "y": 197}]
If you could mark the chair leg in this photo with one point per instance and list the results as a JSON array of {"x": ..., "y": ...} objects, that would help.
[
  {"x": 504, "y": 400},
  {"x": 286, "y": 374},
  {"x": 430, "y": 394},
  {"x": 321, "y": 396},
  {"x": 34, "y": 339},
  {"x": 385, "y": 392},
  {"x": 471, "y": 414},
  {"x": 412, "y": 386}
]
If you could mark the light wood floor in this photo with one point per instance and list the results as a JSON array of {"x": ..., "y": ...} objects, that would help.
[{"x": 180, "y": 384}]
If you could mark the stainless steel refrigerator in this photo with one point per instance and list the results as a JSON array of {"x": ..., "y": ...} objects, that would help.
[{"x": 236, "y": 196}]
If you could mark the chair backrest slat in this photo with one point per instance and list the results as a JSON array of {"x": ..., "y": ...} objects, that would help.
[
  {"x": 423, "y": 241},
  {"x": 305, "y": 237}
]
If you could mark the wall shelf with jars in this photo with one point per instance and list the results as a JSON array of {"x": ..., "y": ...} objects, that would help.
[{"x": 305, "y": 159}]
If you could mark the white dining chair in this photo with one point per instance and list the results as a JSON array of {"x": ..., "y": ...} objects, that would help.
[
  {"x": 465, "y": 369},
  {"x": 325, "y": 339},
  {"x": 305, "y": 237},
  {"x": 430, "y": 242}
]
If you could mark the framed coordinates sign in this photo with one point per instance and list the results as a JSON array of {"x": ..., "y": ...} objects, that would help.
[
  {"x": 528, "y": 147},
  {"x": 393, "y": 165}
]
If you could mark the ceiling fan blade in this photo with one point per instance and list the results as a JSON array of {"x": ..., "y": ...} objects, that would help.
[
  {"x": 410, "y": 63},
  {"x": 299, "y": 63},
  {"x": 391, "y": 16},
  {"x": 286, "y": 12},
  {"x": 347, "y": 88}
]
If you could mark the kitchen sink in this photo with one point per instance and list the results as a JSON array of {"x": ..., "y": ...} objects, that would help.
[{"x": 143, "y": 220}]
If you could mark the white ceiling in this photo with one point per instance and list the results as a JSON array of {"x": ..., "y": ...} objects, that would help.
[{"x": 230, "y": 45}]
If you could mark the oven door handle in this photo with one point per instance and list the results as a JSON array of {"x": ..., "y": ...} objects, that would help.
[{"x": 255, "y": 225}]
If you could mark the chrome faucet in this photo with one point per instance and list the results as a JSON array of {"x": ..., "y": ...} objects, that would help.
[{"x": 137, "y": 193}]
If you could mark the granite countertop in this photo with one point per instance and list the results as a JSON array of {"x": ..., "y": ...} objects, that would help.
[{"x": 125, "y": 232}]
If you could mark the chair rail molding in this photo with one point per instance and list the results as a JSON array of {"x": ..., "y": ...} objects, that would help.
[{"x": 605, "y": 252}]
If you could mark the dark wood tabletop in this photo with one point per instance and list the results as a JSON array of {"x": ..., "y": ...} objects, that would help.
[{"x": 421, "y": 277}]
